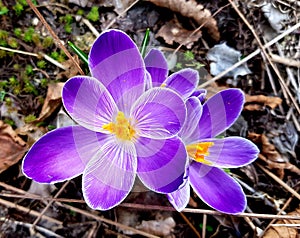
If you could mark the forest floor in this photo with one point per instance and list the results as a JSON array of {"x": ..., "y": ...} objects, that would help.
[{"x": 259, "y": 53}]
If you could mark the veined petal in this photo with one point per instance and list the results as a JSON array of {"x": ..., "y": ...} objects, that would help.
[
  {"x": 194, "y": 111},
  {"x": 116, "y": 62},
  {"x": 231, "y": 152},
  {"x": 201, "y": 94},
  {"x": 161, "y": 163},
  {"x": 157, "y": 66},
  {"x": 219, "y": 113},
  {"x": 109, "y": 176},
  {"x": 184, "y": 82},
  {"x": 148, "y": 81},
  {"x": 217, "y": 189},
  {"x": 181, "y": 197},
  {"x": 159, "y": 113},
  {"x": 61, "y": 154},
  {"x": 88, "y": 102}
]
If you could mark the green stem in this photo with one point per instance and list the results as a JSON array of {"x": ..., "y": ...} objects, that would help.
[
  {"x": 145, "y": 43},
  {"x": 83, "y": 56}
]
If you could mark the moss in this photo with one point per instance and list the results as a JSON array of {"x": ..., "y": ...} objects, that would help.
[
  {"x": 18, "y": 8},
  {"x": 28, "y": 69},
  {"x": 12, "y": 42},
  {"x": 3, "y": 10},
  {"x": 28, "y": 34},
  {"x": 18, "y": 32},
  {"x": 47, "y": 42},
  {"x": 93, "y": 15},
  {"x": 29, "y": 118},
  {"x": 41, "y": 64}
]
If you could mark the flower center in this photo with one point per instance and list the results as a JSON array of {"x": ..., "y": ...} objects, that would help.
[
  {"x": 121, "y": 128},
  {"x": 199, "y": 151}
]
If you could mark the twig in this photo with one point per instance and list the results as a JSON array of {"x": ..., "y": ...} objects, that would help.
[
  {"x": 102, "y": 219},
  {"x": 28, "y": 225},
  {"x": 199, "y": 28},
  {"x": 49, "y": 204},
  {"x": 286, "y": 61},
  {"x": 91, "y": 27},
  {"x": 208, "y": 212},
  {"x": 278, "y": 180},
  {"x": 190, "y": 225},
  {"x": 275, "y": 69},
  {"x": 29, "y": 211},
  {"x": 250, "y": 56},
  {"x": 55, "y": 37},
  {"x": 121, "y": 14},
  {"x": 281, "y": 210},
  {"x": 204, "y": 225},
  {"x": 153, "y": 207},
  {"x": 46, "y": 57}
]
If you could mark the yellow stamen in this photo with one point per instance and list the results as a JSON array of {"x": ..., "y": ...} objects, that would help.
[
  {"x": 121, "y": 128},
  {"x": 199, "y": 151}
]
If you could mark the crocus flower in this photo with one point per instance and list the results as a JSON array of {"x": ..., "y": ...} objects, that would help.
[
  {"x": 209, "y": 155},
  {"x": 122, "y": 130}
]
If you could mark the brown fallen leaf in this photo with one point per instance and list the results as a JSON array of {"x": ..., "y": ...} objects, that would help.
[
  {"x": 193, "y": 10},
  {"x": 71, "y": 70},
  {"x": 158, "y": 227},
  {"x": 281, "y": 229},
  {"x": 52, "y": 101},
  {"x": 12, "y": 147},
  {"x": 270, "y": 155},
  {"x": 173, "y": 32},
  {"x": 257, "y": 102}
]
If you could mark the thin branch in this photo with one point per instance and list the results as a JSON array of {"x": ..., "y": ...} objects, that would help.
[
  {"x": 46, "y": 57},
  {"x": 190, "y": 225},
  {"x": 98, "y": 218},
  {"x": 250, "y": 56},
  {"x": 275, "y": 69},
  {"x": 55, "y": 37},
  {"x": 29, "y": 211}
]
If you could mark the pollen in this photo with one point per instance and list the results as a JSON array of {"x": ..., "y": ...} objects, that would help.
[
  {"x": 199, "y": 151},
  {"x": 122, "y": 127}
]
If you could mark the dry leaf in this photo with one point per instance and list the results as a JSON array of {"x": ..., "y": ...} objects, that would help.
[
  {"x": 271, "y": 156},
  {"x": 158, "y": 227},
  {"x": 257, "y": 102},
  {"x": 223, "y": 57},
  {"x": 284, "y": 231},
  {"x": 12, "y": 147},
  {"x": 173, "y": 32},
  {"x": 275, "y": 17},
  {"x": 52, "y": 101},
  {"x": 192, "y": 10},
  {"x": 71, "y": 69}
]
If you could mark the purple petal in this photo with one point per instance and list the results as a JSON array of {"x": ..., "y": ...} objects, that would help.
[
  {"x": 109, "y": 176},
  {"x": 194, "y": 111},
  {"x": 61, "y": 154},
  {"x": 116, "y": 62},
  {"x": 157, "y": 66},
  {"x": 219, "y": 113},
  {"x": 159, "y": 113},
  {"x": 201, "y": 94},
  {"x": 217, "y": 188},
  {"x": 148, "y": 81},
  {"x": 231, "y": 152},
  {"x": 184, "y": 82},
  {"x": 181, "y": 197},
  {"x": 161, "y": 163},
  {"x": 88, "y": 102}
]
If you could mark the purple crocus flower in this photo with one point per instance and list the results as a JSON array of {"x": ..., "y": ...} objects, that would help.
[
  {"x": 122, "y": 130},
  {"x": 207, "y": 154}
]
